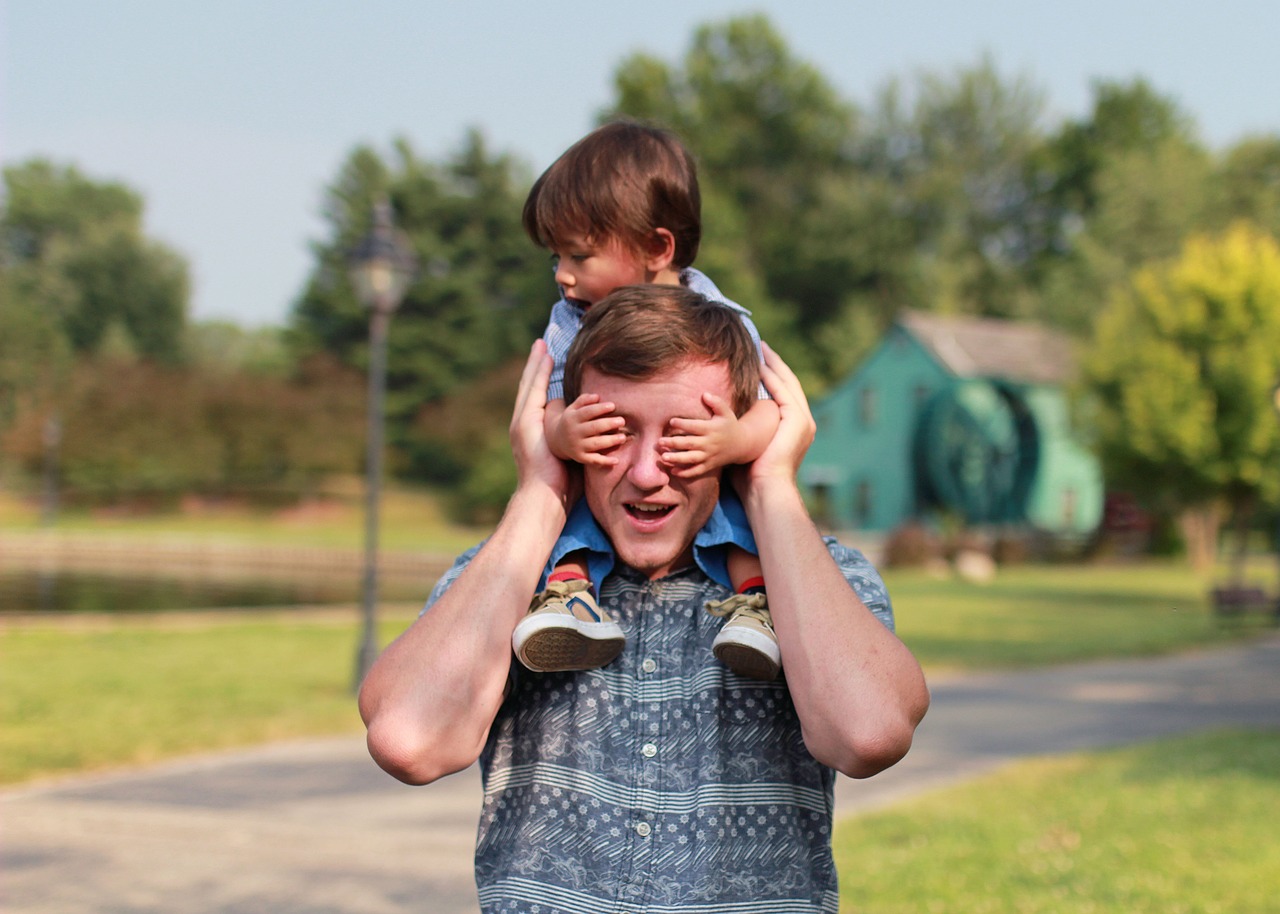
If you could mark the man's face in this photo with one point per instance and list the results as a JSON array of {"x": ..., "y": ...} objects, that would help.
[
  {"x": 650, "y": 516},
  {"x": 588, "y": 271}
]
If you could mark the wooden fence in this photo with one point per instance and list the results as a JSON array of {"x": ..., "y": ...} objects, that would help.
[{"x": 197, "y": 558}]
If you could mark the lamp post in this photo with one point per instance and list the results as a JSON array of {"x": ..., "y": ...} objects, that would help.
[{"x": 381, "y": 266}]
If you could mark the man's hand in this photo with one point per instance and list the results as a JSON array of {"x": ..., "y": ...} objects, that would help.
[
  {"x": 535, "y": 463},
  {"x": 781, "y": 459}
]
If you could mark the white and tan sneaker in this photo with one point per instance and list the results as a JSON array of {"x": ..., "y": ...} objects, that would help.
[
  {"x": 747, "y": 644},
  {"x": 566, "y": 630}
]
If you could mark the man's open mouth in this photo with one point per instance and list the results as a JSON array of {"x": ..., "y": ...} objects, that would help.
[{"x": 649, "y": 512}]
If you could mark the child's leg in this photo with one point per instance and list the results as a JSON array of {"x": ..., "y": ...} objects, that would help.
[
  {"x": 746, "y": 643},
  {"x": 565, "y": 628},
  {"x": 745, "y": 572},
  {"x": 573, "y": 567}
]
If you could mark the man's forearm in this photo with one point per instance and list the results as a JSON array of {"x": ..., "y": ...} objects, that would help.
[
  {"x": 857, "y": 689},
  {"x": 429, "y": 700}
]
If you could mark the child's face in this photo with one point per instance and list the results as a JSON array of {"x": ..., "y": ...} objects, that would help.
[{"x": 588, "y": 271}]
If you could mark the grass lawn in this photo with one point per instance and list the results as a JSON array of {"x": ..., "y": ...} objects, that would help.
[
  {"x": 111, "y": 692},
  {"x": 1183, "y": 826},
  {"x": 114, "y": 691},
  {"x": 1034, "y": 614}
]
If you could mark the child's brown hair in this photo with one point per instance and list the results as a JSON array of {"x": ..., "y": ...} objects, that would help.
[{"x": 621, "y": 181}]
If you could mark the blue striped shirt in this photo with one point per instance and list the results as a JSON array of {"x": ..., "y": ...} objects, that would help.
[{"x": 662, "y": 782}]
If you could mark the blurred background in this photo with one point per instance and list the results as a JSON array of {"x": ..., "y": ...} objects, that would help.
[{"x": 1023, "y": 256}]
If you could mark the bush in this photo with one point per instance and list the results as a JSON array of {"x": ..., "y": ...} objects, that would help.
[
  {"x": 912, "y": 545},
  {"x": 135, "y": 431}
]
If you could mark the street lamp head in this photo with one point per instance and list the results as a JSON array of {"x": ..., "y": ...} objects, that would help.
[{"x": 382, "y": 265}]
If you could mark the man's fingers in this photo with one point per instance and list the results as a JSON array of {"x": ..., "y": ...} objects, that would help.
[
  {"x": 781, "y": 381},
  {"x": 533, "y": 380}
]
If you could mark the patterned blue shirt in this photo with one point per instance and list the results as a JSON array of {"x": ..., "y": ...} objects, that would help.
[
  {"x": 662, "y": 782},
  {"x": 566, "y": 319}
]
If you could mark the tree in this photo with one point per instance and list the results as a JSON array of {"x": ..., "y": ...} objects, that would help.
[
  {"x": 137, "y": 429},
  {"x": 74, "y": 249},
  {"x": 1246, "y": 184},
  {"x": 1182, "y": 372},
  {"x": 773, "y": 139},
  {"x": 1124, "y": 186},
  {"x": 483, "y": 293},
  {"x": 956, "y": 151}
]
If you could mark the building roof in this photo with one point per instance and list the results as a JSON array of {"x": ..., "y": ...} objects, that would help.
[{"x": 981, "y": 347}]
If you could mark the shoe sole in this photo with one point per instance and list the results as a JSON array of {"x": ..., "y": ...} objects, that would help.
[
  {"x": 559, "y": 644},
  {"x": 748, "y": 653}
]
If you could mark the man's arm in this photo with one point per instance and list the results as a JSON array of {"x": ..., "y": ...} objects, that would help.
[
  {"x": 857, "y": 689},
  {"x": 430, "y": 698}
]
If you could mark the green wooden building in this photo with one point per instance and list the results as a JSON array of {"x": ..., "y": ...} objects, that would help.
[{"x": 960, "y": 416}]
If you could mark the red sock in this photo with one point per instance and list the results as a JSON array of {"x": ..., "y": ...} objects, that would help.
[
  {"x": 572, "y": 575},
  {"x": 752, "y": 585}
]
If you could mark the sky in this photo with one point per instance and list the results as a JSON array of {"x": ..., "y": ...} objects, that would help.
[{"x": 231, "y": 117}]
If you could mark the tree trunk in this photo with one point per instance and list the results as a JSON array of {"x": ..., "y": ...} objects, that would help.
[{"x": 1199, "y": 528}]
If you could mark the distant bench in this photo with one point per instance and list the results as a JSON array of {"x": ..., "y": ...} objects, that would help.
[{"x": 1240, "y": 599}]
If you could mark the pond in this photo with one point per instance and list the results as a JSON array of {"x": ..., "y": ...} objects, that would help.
[{"x": 66, "y": 591}]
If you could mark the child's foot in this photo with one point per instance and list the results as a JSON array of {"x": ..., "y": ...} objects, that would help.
[
  {"x": 566, "y": 630},
  {"x": 746, "y": 644}
]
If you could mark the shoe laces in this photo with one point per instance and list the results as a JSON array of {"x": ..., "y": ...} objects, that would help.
[
  {"x": 558, "y": 590},
  {"x": 751, "y": 605}
]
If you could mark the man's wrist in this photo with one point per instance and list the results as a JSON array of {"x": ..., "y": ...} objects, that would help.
[{"x": 765, "y": 496}]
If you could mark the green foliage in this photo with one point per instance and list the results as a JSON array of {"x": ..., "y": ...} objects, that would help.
[
  {"x": 74, "y": 248},
  {"x": 1182, "y": 824},
  {"x": 220, "y": 346},
  {"x": 1246, "y": 184},
  {"x": 772, "y": 139},
  {"x": 1182, "y": 370},
  {"x": 958, "y": 159},
  {"x": 482, "y": 296},
  {"x": 135, "y": 429}
]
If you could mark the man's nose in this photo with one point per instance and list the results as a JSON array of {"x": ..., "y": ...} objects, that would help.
[{"x": 647, "y": 470}]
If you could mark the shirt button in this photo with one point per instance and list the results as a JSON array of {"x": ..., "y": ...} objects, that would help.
[
  {"x": 649, "y": 750},
  {"x": 643, "y": 829},
  {"x": 649, "y": 665}
]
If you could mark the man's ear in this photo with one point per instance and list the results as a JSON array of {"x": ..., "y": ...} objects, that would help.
[{"x": 659, "y": 250}]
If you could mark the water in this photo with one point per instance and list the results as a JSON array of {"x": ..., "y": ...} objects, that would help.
[{"x": 72, "y": 592}]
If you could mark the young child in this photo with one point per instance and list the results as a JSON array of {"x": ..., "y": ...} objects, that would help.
[{"x": 622, "y": 207}]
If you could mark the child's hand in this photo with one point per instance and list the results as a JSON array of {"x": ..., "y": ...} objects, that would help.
[
  {"x": 586, "y": 429},
  {"x": 700, "y": 446}
]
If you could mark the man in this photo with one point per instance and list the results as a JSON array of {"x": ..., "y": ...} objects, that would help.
[{"x": 661, "y": 781}]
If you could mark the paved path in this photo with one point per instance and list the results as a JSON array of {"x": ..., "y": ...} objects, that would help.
[{"x": 316, "y": 828}]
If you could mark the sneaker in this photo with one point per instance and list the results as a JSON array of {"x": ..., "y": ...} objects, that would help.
[
  {"x": 566, "y": 630},
  {"x": 746, "y": 644}
]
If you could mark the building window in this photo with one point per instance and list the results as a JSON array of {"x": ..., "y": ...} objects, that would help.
[
  {"x": 820, "y": 503},
  {"x": 867, "y": 406},
  {"x": 862, "y": 503}
]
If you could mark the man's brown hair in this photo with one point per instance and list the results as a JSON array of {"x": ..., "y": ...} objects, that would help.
[
  {"x": 621, "y": 181},
  {"x": 639, "y": 332}
]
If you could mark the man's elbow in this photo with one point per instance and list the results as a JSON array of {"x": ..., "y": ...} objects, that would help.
[
  {"x": 412, "y": 755},
  {"x": 861, "y": 752}
]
